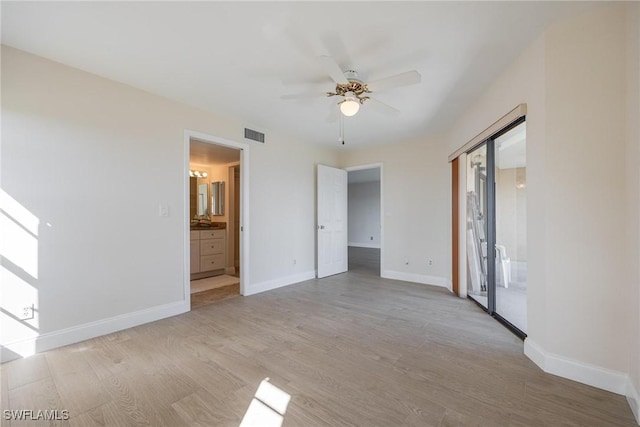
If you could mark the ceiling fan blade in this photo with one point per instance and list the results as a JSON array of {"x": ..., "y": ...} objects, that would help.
[
  {"x": 336, "y": 48},
  {"x": 382, "y": 107},
  {"x": 402, "y": 79},
  {"x": 333, "y": 69},
  {"x": 334, "y": 113},
  {"x": 304, "y": 95}
]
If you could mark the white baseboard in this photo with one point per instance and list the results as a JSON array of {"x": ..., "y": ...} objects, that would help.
[
  {"x": 417, "y": 278},
  {"x": 365, "y": 245},
  {"x": 585, "y": 373},
  {"x": 268, "y": 285},
  {"x": 633, "y": 397},
  {"x": 74, "y": 334}
]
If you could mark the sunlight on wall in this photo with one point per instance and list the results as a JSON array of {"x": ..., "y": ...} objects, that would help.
[
  {"x": 19, "y": 242},
  {"x": 267, "y": 408},
  {"x": 18, "y": 329},
  {"x": 19, "y": 318}
]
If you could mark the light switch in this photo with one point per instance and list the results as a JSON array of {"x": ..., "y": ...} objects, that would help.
[{"x": 163, "y": 210}]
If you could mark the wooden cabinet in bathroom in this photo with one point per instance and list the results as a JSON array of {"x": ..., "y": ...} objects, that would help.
[
  {"x": 208, "y": 253},
  {"x": 195, "y": 252}
]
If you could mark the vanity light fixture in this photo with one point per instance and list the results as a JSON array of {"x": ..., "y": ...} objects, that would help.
[{"x": 198, "y": 174}]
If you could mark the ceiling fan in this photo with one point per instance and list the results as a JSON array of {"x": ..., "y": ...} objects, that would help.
[{"x": 354, "y": 92}]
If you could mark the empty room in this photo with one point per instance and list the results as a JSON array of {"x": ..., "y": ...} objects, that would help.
[{"x": 320, "y": 213}]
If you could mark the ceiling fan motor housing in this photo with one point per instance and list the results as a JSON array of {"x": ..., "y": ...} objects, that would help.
[{"x": 355, "y": 85}]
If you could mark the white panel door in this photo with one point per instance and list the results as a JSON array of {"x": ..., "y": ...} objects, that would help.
[{"x": 332, "y": 221}]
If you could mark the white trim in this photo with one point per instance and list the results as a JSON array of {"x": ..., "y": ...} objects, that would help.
[
  {"x": 375, "y": 166},
  {"x": 244, "y": 206},
  {"x": 501, "y": 123},
  {"x": 585, "y": 373},
  {"x": 534, "y": 352},
  {"x": 633, "y": 398},
  {"x": 74, "y": 334},
  {"x": 269, "y": 285},
  {"x": 363, "y": 167},
  {"x": 417, "y": 278},
  {"x": 364, "y": 245}
]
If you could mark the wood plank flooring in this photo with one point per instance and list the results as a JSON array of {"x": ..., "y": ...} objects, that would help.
[
  {"x": 203, "y": 298},
  {"x": 351, "y": 350}
]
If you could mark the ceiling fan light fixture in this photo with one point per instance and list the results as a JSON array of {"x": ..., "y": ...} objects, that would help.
[{"x": 350, "y": 106}]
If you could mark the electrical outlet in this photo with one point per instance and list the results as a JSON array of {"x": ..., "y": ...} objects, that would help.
[
  {"x": 406, "y": 262},
  {"x": 163, "y": 210},
  {"x": 28, "y": 312},
  {"x": 371, "y": 237},
  {"x": 430, "y": 262},
  {"x": 294, "y": 262}
]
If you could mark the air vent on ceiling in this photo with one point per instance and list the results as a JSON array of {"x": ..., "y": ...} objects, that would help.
[{"x": 253, "y": 135}]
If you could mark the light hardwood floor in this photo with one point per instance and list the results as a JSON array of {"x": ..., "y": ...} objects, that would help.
[
  {"x": 351, "y": 349},
  {"x": 211, "y": 296}
]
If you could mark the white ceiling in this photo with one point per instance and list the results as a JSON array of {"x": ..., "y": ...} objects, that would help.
[{"x": 238, "y": 58}]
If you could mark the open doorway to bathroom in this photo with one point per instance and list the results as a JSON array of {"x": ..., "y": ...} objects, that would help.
[
  {"x": 214, "y": 225},
  {"x": 364, "y": 201}
]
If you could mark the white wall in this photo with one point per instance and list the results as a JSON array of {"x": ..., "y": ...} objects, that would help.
[
  {"x": 573, "y": 81},
  {"x": 416, "y": 182},
  {"x": 90, "y": 160},
  {"x": 364, "y": 214}
]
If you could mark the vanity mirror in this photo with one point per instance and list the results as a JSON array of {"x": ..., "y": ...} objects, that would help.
[
  {"x": 203, "y": 196},
  {"x": 217, "y": 198}
]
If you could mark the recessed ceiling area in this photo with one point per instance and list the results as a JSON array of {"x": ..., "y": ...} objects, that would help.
[
  {"x": 239, "y": 58},
  {"x": 203, "y": 153}
]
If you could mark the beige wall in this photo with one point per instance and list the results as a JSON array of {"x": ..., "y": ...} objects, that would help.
[
  {"x": 573, "y": 81},
  {"x": 633, "y": 189},
  {"x": 522, "y": 82},
  {"x": 416, "y": 207},
  {"x": 585, "y": 189},
  {"x": 93, "y": 159}
]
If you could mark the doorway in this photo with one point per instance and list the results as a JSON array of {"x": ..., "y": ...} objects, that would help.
[
  {"x": 496, "y": 226},
  {"x": 336, "y": 253},
  {"x": 364, "y": 202},
  {"x": 215, "y": 219}
]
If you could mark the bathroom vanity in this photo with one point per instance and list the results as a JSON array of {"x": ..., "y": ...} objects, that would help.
[{"x": 208, "y": 251}]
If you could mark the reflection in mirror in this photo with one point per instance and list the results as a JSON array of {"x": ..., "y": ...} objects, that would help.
[
  {"x": 217, "y": 198},
  {"x": 203, "y": 195}
]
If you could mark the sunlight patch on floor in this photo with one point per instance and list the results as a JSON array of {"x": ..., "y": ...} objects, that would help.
[{"x": 267, "y": 408}]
